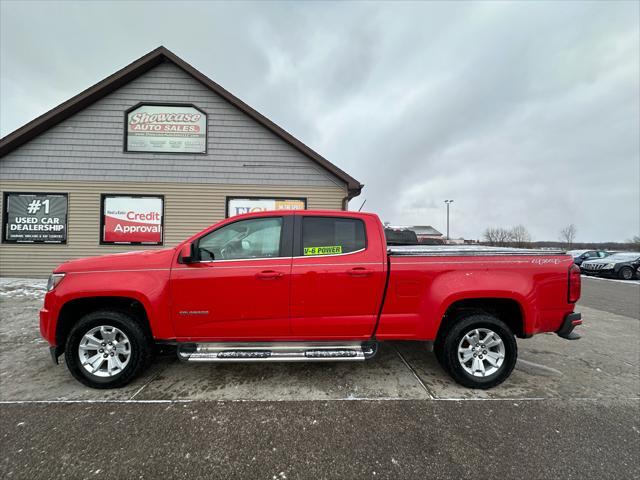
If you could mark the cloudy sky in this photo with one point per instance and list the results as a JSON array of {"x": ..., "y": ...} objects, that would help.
[{"x": 522, "y": 112}]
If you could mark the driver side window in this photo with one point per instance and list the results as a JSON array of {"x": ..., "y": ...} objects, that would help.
[{"x": 246, "y": 239}]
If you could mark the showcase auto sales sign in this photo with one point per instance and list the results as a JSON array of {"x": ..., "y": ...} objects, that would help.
[
  {"x": 166, "y": 128},
  {"x": 132, "y": 220}
]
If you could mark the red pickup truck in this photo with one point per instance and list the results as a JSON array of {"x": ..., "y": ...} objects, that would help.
[{"x": 305, "y": 286}]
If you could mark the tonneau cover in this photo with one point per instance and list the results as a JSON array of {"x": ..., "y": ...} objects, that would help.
[{"x": 465, "y": 250}]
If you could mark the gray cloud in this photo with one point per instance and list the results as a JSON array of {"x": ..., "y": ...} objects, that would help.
[{"x": 523, "y": 112}]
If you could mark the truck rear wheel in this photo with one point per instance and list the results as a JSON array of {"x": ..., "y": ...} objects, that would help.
[
  {"x": 107, "y": 349},
  {"x": 479, "y": 351}
]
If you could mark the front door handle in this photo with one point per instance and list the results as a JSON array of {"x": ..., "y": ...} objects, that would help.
[
  {"x": 359, "y": 272},
  {"x": 269, "y": 275}
]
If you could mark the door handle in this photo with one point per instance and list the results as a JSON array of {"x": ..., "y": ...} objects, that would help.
[
  {"x": 268, "y": 275},
  {"x": 359, "y": 272}
]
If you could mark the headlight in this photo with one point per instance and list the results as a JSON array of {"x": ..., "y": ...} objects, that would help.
[
  {"x": 609, "y": 265},
  {"x": 54, "y": 280}
]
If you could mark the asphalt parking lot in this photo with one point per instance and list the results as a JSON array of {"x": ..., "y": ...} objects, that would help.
[{"x": 570, "y": 409}]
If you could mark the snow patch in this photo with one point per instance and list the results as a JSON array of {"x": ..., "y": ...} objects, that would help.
[{"x": 22, "y": 288}]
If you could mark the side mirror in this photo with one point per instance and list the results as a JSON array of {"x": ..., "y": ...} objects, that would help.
[{"x": 187, "y": 253}]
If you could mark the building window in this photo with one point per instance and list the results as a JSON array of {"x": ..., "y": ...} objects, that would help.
[
  {"x": 132, "y": 219},
  {"x": 170, "y": 128},
  {"x": 34, "y": 217},
  {"x": 332, "y": 235}
]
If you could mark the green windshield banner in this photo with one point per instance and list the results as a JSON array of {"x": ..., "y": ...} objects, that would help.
[{"x": 323, "y": 250}]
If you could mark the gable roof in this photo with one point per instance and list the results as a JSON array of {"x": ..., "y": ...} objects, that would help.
[
  {"x": 133, "y": 71},
  {"x": 425, "y": 230}
]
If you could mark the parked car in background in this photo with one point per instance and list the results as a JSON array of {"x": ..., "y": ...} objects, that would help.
[
  {"x": 622, "y": 265},
  {"x": 400, "y": 236},
  {"x": 580, "y": 256}
]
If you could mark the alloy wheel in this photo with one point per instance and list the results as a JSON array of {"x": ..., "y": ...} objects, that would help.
[
  {"x": 481, "y": 352},
  {"x": 104, "y": 351}
]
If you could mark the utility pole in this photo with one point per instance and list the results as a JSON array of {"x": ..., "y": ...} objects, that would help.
[{"x": 448, "y": 202}]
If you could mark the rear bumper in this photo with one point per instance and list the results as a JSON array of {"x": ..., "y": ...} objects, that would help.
[{"x": 571, "y": 321}]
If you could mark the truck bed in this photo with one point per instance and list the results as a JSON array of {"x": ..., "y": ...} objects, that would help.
[{"x": 465, "y": 250}]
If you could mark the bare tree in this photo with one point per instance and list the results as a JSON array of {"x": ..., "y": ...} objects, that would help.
[
  {"x": 635, "y": 241},
  {"x": 489, "y": 236},
  {"x": 520, "y": 236},
  {"x": 497, "y": 236},
  {"x": 568, "y": 235}
]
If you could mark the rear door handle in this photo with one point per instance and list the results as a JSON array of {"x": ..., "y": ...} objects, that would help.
[
  {"x": 269, "y": 275},
  {"x": 359, "y": 272}
]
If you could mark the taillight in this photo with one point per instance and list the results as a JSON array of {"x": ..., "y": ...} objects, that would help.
[{"x": 575, "y": 284}]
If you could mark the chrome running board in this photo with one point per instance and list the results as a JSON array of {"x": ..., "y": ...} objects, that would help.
[{"x": 277, "y": 352}]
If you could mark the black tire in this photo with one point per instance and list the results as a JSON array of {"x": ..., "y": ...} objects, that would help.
[
  {"x": 438, "y": 350},
  {"x": 625, "y": 273},
  {"x": 140, "y": 346},
  {"x": 454, "y": 335}
]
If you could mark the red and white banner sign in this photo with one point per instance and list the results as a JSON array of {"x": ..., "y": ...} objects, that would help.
[
  {"x": 132, "y": 220},
  {"x": 238, "y": 206}
]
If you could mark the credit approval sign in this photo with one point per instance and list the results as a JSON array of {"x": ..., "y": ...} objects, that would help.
[
  {"x": 238, "y": 206},
  {"x": 166, "y": 129},
  {"x": 132, "y": 219}
]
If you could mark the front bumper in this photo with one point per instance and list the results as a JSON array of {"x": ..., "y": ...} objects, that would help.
[
  {"x": 609, "y": 272},
  {"x": 571, "y": 321},
  {"x": 46, "y": 328},
  {"x": 45, "y": 325}
]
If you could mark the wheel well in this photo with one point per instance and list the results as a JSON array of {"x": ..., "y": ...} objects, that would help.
[
  {"x": 506, "y": 309},
  {"x": 74, "y": 310}
]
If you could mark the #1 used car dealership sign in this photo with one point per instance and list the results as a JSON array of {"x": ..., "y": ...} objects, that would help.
[
  {"x": 166, "y": 128},
  {"x": 35, "y": 217},
  {"x": 131, "y": 219}
]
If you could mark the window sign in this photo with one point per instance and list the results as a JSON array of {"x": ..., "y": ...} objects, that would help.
[
  {"x": 332, "y": 236},
  {"x": 128, "y": 219},
  {"x": 35, "y": 217},
  {"x": 238, "y": 206},
  {"x": 166, "y": 128}
]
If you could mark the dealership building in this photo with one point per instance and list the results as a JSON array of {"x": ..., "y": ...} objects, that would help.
[{"x": 144, "y": 159}]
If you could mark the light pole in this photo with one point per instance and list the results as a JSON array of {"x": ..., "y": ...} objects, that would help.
[{"x": 448, "y": 202}]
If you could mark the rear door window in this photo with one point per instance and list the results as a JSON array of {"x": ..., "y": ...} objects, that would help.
[{"x": 332, "y": 236}]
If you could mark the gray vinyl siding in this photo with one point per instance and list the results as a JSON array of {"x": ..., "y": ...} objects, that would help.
[
  {"x": 188, "y": 209},
  {"x": 89, "y": 145}
]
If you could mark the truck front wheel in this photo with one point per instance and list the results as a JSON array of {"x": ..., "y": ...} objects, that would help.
[
  {"x": 106, "y": 349},
  {"x": 479, "y": 351}
]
